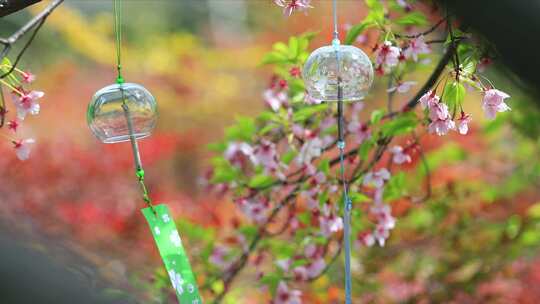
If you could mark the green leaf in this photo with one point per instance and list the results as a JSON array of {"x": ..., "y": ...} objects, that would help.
[
  {"x": 376, "y": 116},
  {"x": 453, "y": 94},
  {"x": 356, "y": 31},
  {"x": 218, "y": 147},
  {"x": 261, "y": 181},
  {"x": 357, "y": 197},
  {"x": 402, "y": 124},
  {"x": 307, "y": 112},
  {"x": 415, "y": 18},
  {"x": 534, "y": 211},
  {"x": 288, "y": 156},
  {"x": 243, "y": 130},
  {"x": 324, "y": 166},
  {"x": 364, "y": 149}
]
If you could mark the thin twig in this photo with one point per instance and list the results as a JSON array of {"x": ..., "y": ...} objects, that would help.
[{"x": 36, "y": 23}]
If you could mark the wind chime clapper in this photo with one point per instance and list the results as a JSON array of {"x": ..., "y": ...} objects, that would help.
[
  {"x": 127, "y": 112},
  {"x": 339, "y": 73}
]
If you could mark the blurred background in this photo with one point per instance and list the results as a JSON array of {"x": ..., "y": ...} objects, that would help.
[{"x": 76, "y": 199}]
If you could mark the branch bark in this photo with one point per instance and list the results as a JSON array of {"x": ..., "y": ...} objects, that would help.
[
  {"x": 8, "y": 7},
  {"x": 35, "y": 24}
]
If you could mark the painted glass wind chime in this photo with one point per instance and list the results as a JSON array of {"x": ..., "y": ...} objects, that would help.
[
  {"x": 339, "y": 73},
  {"x": 127, "y": 112}
]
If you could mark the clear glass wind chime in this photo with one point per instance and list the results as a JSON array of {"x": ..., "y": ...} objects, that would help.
[
  {"x": 339, "y": 73},
  {"x": 127, "y": 112}
]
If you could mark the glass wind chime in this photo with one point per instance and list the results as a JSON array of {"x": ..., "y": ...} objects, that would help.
[
  {"x": 339, "y": 73},
  {"x": 127, "y": 112}
]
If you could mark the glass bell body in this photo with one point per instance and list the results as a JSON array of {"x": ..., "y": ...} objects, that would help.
[
  {"x": 107, "y": 116},
  {"x": 321, "y": 73}
]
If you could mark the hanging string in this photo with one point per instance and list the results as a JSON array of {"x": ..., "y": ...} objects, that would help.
[
  {"x": 139, "y": 171},
  {"x": 347, "y": 203},
  {"x": 118, "y": 33}
]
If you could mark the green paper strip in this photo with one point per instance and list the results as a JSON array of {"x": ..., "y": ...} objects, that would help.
[{"x": 173, "y": 254}]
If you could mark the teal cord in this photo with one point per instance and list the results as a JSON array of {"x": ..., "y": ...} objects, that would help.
[{"x": 347, "y": 203}]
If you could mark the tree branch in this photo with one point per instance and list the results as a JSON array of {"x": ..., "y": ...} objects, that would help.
[
  {"x": 8, "y": 7},
  {"x": 35, "y": 24}
]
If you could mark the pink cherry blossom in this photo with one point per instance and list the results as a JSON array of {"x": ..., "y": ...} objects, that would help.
[
  {"x": 312, "y": 148},
  {"x": 265, "y": 154},
  {"x": 314, "y": 268},
  {"x": 416, "y": 47},
  {"x": 398, "y": 156},
  {"x": 308, "y": 99},
  {"x": 237, "y": 153},
  {"x": 254, "y": 208},
  {"x": 22, "y": 148},
  {"x": 441, "y": 122},
  {"x": 27, "y": 104},
  {"x": 330, "y": 224},
  {"x": 218, "y": 255},
  {"x": 366, "y": 239},
  {"x": 289, "y": 6},
  {"x": 387, "y": 56},
  {"x": 13, "y": 125},
  {"x": 429, "y": 99},
  {"x": 284, "y": 264},
  {"x": 286, "y": 296},
  {"x": 402, "y": 87},
  {"x": 300, "y": 273},
  {"x": 441, "y": 127},
  {"x": 493, "y": 102},
  {"x": 381, "y": 234},
  {"x": 28, "y": 77},
  {"x": 275, "y": 99},
  {"x": 376, "y": 178},
  {"x": 439, "y": 111},
  {"x": 463, "y": 123},
  {"x": 359, "y": 131},
  {"x": 383, "y": 212}
]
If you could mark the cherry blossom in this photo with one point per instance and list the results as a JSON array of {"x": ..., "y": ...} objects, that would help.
[
  {"x": 310, "y": 100},
  {"x": 376, "y": 178},
  {"x": 284, "y": 264},
  {"x": 441, "y": 122},
  {"x": 218, "y": 255},
  {"x": 286, "y": 296},
  {"x": 404, "y": 4},
  {"x": 22, "y": 148},
  {"x": 439, "y": 111},
  {"x": 238, "y": 152},
  {"x": 399, "y": 156},
  {"x": 312, "y": 148},
  {"x": 463, "y": 123},
  {"x": 441, "y": 127},
  {"x": 27, "y": 104},
  {"x": 381, "y": 234},
  {"x": 254, "y": 208},
  {"x": 289, "y": 6},
  {"x": 429, "y": 99},
  {"x": 383, "y": 212},
  {"x": 493, "y": 102},
  {"x": 387, "y": 56},
  {"x": 359, "y": 131},
  {"x": 330, "y": 224},
  {"x": 28, "y": 77},
  {"x": 483, "y": 64},
  {"x": 402, "y": 87},
  {"x": 275, "y": 99},
  {"x": 295, "y": 72},
  {"x": 265, "y": 154},
  {"x": 13, "y": 125},
  {"x": 416, "y": 47},
  {"x": 365, "y": 239}
]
